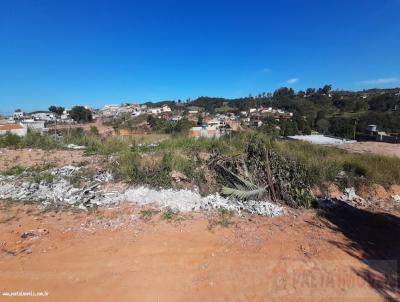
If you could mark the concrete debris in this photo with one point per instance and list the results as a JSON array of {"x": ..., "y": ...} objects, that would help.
[
  {"x": 75, "y": 147},
  {"x": 341, "y": 175},
  {"x": 349, "y": 197},
  {"x": 103, "y": 176},
  {"x": 61, "y": 192},
  {"x": 64, "y": 171},
  {"x": 349, "y": 194}
]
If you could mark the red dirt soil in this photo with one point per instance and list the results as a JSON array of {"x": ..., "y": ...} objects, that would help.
[{"x": 114, "y": 255}]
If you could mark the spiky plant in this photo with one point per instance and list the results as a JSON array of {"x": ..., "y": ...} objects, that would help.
[{"x": 241, "y": 188}]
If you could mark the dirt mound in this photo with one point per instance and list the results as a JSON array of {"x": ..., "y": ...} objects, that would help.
[
  {"x": 374, "y": 192},
  {"x": 327, "y": 189}
]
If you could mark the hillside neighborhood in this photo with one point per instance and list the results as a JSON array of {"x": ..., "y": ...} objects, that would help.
[
  {"x": 275, "y": 114},
  {"x": 174, "y": 151}
]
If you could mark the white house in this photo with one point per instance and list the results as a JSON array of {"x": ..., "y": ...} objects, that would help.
[
  {"x": 17, "y": 115},
  {"x": 165, "y": 108},
  {"x": 44, "y": 116},
  {"x": 17, "y": 129},
  {"x": 31, "y": 124},
  {"x": 156, "y": 110}
]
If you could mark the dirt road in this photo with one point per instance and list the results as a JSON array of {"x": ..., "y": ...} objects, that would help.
[{"x": 117, "y": 255}]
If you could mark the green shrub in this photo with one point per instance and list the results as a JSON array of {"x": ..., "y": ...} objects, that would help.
[
  {"x": 45, "y": 177},
  {"x": 10, "y": 140},
  {"x": 126, "y": 166},
  {"x": 15, "y": 170},
  {"x": 39, "y": 141}
]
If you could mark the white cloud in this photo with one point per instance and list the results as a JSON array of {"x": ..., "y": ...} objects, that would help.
[
  {"x": 292, "y": 81},
  {"x": 380, "y": 81}
]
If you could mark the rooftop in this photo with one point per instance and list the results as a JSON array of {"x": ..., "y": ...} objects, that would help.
[{"x": 11, "y": 127}]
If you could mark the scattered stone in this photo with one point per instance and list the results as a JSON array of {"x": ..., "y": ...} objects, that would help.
[
  {"x": 28, "y": 234},
  {"x": 178, "y": 176},
  {"x": 26, "y": 250},
  {"x": 75, "y": 147},
  {"x": 65, "y": 171},
  {"x": 396, "y": 198},
  {"x": 34, "y": 233},
  {"x": 351, "y": 197},
  {"x": 103, "y": 176}
]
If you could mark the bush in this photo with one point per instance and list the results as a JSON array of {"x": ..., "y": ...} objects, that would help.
[
  {"x": 30, "y": 140},
  {"x": 10, "y": 140}
]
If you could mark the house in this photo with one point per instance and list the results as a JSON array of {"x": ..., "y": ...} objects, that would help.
[
  {"x": 43, "y": 116},
  {"x": 217, "y": 123},
  {"x": 17, "y": 115},
  {"x": 156, "y": 110},
  {"x": 17, "y": 129},
  {"x": 65, "y": 116},
  {"x": 165, "y": 108},
  {"x": 34, "y": 125},
  {"x": 204, "y": 131}
]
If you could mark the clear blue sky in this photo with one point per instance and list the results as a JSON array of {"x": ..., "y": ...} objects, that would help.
[{"x": 99, "y": 52}]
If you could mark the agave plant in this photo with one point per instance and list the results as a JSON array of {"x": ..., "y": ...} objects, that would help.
[
  {"x": 241, "y": 188},
  {"x": 263, "y": 174}
]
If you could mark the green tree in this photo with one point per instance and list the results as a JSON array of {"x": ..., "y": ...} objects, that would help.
[
  {"x": 199, "y": 120},
  {"x": 58, "y": 111},
  {"x": 80, "y": 114}
]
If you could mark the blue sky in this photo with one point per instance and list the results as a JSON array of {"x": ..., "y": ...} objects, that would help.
[{"x": 99, "y": 52}]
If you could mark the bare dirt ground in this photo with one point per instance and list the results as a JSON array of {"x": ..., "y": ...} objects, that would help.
[
  {"x": 37, "y": 157},
  {"x": 116, "y": 255},
  {"x": 372, "y": 147}
]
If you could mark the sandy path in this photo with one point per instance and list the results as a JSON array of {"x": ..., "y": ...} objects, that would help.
[{"x": 114, "y": 255}]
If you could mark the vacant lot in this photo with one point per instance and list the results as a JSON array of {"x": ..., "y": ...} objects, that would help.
[
  {"x": 372, "y": 148},
  {"x": 125, "y": 254},
  {"x": 38, "y": 157}
]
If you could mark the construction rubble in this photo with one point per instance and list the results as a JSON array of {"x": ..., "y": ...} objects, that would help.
[{"x": 60, "y": 192}]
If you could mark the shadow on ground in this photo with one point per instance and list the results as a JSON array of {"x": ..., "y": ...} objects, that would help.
[{"x": 374, "y": 238}]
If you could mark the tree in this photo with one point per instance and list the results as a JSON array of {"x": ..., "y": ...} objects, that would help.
[
  {"x": 310, "y": 91},
  {"x": 283, "y": 93},
  {"x": 200, "y": 120},
  {"x": 323, "y": 125},
  {"x": 325, "y": 90},
  {"x": 56, "y": 110},
  {"x": 80, "y": 114},
  {"x": 301, "y": 94}
]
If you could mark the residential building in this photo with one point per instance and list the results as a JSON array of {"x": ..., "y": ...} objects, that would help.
[
  {"x": 204, "y": 131},
  {"x": 17, "y": 129},
  {"x": 34, "y": 125},
  {"x": 17, "y": 115},
  {"x": 44, "y": 116}
]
